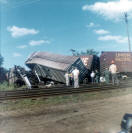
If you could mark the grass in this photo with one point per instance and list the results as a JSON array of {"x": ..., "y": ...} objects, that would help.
[
  {"x": 56, "y": 100},
  {"x": 4, "y": 86}
]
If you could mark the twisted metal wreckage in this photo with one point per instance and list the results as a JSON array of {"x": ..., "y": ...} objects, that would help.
[{"x": 46, "y": 67}]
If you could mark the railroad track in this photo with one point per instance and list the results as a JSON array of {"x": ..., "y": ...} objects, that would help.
[{"x": 48, "y": 92}]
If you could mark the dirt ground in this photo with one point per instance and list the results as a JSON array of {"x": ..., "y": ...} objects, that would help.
[{"x": 98, "y": 116}]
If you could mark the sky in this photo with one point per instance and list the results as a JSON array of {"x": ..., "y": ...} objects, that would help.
[{"x": 57, "y": 26}]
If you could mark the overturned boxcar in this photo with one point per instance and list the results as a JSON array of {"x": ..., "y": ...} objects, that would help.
[
  {"x": 91, "y": 62},
  {"x": 123, "y": 60},
  {"x": 54, "y": 66}
]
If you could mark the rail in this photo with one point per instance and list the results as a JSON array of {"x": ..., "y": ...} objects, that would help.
[{"x": 54, "y": 91}]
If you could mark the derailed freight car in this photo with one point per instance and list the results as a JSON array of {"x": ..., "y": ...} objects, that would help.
[
  {"x": 123, "y": 60},
  {"x": 54, "y": 66},
  {"x": 91, "y": 62}
]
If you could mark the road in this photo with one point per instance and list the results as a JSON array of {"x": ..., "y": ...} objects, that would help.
[{"x": 84, "y": 117}]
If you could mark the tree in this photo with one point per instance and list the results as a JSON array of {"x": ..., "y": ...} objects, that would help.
[
  {"x": 73, "y": 52},
  {"x": 1, "y": 60},
  {"x": 3, "y": 71},
  {"x": 87, "y": 52}
]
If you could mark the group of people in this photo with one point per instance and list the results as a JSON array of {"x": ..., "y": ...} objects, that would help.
[
  {"x": 95, "y": 77},
  {"x": 73, "y": 77},
  {"x": 110, "y": 71}
]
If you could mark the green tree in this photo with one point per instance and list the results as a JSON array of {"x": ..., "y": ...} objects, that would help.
[
  {"x": 87, "y": 52},
  {"x": 3, "y": 71},
  {"x": 1, "y": 60}
]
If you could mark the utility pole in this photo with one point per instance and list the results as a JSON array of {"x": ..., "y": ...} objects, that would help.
[
  {"x": 126, "y": 21},
  {"x": 0, "y": 35}
]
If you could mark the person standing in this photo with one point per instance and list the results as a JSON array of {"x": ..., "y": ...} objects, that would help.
[
  {"x": 70, "y": 79},
  {"x": 113, "y": 70},
  {"x": 107, "y": 75},
  {"x": 102, "y": 79},
  {"x": 97, "y": 75},
  {"x": 75, "y": 74},
  {"x": 67, "y": 78},
  {"x": 92, "y": 75}
]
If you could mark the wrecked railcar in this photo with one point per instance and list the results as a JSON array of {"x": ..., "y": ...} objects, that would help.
[
  {"x": 91, "y": 62},
  {"x": 18, "y": 76},
  {"x": 123, "y": 60},
  {"x": 54, "y": 66}
]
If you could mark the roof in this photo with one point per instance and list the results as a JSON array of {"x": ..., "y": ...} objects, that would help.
[
  {"x": 127, "y": 115},
  {"x": 56, "y": 61},
  {"x": 115, "y": 52}
]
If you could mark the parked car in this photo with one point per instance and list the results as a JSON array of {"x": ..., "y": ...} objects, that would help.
[{"x": 126, "y": 124}]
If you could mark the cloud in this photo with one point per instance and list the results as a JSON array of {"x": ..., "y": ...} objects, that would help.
[
  {"x": 90, "y": 25},
  {"x": 18, "y": 32},
  {"x": 22, "y": 46},
  {"x": 112, "y": 10},
  {"x": 17, "y": 54},
  {"x": 118, "y": 39},
  {"x": 101, "y": 31},
  {"x": 39, "y": 42}
]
